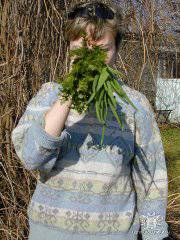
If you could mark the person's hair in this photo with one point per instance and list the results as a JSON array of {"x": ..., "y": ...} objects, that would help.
[{"x": 100, "y": 27}]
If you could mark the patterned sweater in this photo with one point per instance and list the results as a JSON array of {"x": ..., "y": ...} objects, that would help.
[{"x": 87, "y": 191}]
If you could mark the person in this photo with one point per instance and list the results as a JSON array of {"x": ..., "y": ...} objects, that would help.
[{"x": 84, "y": 190}]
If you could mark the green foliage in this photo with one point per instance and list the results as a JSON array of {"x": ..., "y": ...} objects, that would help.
[
  {"x": 91, "y": 80},
  {"x": 171, "y": 138}
]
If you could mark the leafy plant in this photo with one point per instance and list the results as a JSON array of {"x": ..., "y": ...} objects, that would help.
[{"x": 92, "y": 80}]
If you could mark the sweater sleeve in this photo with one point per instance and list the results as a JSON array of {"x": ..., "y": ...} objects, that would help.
[
  {"x": 149, "y": 174},
  {"x": 37, "y": 149}
]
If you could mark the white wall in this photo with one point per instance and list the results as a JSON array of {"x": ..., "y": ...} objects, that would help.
[{"x": 168, "y": 97}]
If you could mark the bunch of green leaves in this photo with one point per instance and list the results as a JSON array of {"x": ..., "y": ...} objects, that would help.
[
  {"x": 86, "y": 67},
  {"x": 91, "y": 80}
]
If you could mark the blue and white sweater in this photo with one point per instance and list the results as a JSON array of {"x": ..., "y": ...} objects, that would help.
[{"x": 85, "y": 191}]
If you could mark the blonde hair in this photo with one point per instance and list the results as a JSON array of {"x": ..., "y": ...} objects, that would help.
[{"x": 74, "y": 27}]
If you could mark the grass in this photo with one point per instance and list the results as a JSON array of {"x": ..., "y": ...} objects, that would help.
[{"x": 171, "y": 142}]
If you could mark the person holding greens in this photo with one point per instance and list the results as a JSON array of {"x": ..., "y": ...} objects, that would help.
[{"x": 87, "y": 191}]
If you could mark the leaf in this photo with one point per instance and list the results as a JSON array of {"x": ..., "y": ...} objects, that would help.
[
  {"x": 103, "y": 108},
  {"x": 116, "y": 72},
  {"x": 95, "y": 82},
  {"x": 130, "y": 102},
  {"x": 97, "y": 111},
  {"x": 110, "y": 93},
  {"x": 103, "y": 77},
  {"x": 101, "y": 111},
  {"x": 99, "y": 100},
  {"x": 121, "y": 93},
  {"x": 118, "y": 88},
  {"x": 94, "y": 90},
  {"x": 115, "y": 113},
  {"x": 103, "y": 132},
  {"x": 106, "y": 105},
  {"x": 91, "y": 98}
]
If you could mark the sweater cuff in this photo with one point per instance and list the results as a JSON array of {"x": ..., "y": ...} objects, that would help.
[
  {"x": 158, "y": 233},
  {"x": 46, "y": 140}
]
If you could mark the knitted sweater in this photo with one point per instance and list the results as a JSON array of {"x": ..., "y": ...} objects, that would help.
[{"x": 87, "y": 191}]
